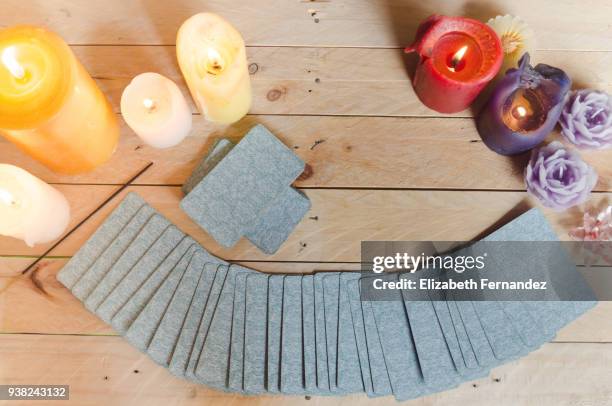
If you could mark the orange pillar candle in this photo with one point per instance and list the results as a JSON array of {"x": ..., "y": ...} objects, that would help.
[{"x": 49, "y": 105}]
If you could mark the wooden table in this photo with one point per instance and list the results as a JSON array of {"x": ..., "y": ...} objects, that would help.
[{"x": 330, "y": 80}]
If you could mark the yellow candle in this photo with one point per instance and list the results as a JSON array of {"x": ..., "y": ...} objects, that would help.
[
  {"x": 516, "y": 38},
  {"x": 212, "y": 57},
  {"x": 49, "y": 105}
]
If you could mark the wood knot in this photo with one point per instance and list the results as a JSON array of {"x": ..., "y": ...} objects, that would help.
[
  {"x": 316, "y": 143},
  {"x": 307, "y": 173},
  {"x": 253, "y": 68},
  {"x": 274, "y": 94}
]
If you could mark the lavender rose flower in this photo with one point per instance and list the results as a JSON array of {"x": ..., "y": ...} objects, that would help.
[
  {"x": 559, "y": 178},
  {"x": 586, "y": 119}
]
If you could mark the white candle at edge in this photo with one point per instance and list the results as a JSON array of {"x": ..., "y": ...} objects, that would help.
[
  {"x": 155, "y": 109},
  {"x": 30, "y": 209}
]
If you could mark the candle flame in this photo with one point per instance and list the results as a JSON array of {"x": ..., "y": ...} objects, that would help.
[
  {"x": 521, "y": 111},
  {"x": 10, "y": 62},
  {"x": 215, "y": 61},
  {"x": 7, "y": 198},
  {"x": 149, "y": 104},
  {"x": 459, "y": 54}
]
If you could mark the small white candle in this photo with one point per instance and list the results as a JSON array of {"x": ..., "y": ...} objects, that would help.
[
  {"x": 155, "y": 109},
  {"x": 30, "y": 209}
]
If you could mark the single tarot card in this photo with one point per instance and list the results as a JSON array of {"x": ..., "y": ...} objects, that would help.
[
  {"x": 275, "y": 317},
  {"x": 151, "y": 232},
  {"x": 198, "y": 317},
  {"x": 100, "y": 240},
  {"x": 230, "y": 200},
  {"x": 90, "y": 279},
  {"x": 217, "y": 152},
  {"x": 292, "y": 362},
  {"x": 166, "y": 335},
  {"x": 141, "y": 331},
  {"x": 349, "y": 372},
  {"x": 256, "y": 326},
  {"x": 236, "y": 356},
  {"x": 134, "y": 278},
  {"x": 308, "y": 327},
  {"x": 397, "y": 343},
  {"x": 278, "y": 220},
  {"x": 320, "y": 334},
  {"x": 434, "y": 357},
  {"x": 146, "y": 287},
  {"x": 212, "y": 368}
]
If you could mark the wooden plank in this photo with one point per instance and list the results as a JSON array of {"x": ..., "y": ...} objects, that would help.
[
  {"x": 38, "y": 303},
  {"x": 336, "y": 224},
  {"x": 362, "y": 23},
  {"x": 356, "y": 152},
  {"x": 321, "y": 81},
  {"x": 106, "y": 370}
]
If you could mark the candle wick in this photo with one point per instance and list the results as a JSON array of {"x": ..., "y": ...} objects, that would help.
[
  {"x": 9, "y": 60},
  {"x": 149, "y": 104},
  {"x": 215, "y": 63},
  {"x": 456, "y": 59}
]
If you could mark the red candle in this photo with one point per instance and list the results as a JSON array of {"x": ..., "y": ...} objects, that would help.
[{"x": 458, "y": 57}]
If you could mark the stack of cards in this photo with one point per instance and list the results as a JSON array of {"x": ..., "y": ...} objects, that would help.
[
  {"x": 238, "y": 330},
  {"x": 245, "y": 190}
]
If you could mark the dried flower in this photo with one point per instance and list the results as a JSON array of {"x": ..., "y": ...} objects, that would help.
[
  {"x": 516, "y": 38},
  {"x": 586, "y": 119},
  {"x": 596, "y": 232},
  {"x": 595, "y": 227},
  {"x": 558, "y": 177}
]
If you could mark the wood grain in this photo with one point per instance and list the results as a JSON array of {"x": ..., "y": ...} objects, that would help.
[
  {"x": 341, "y": 152},
  {"x": 109, "y": 368},
  {"x": 322, "y": 81},
  {"x": 38, "y": 303},
  {"x": 563, "y": 25},
  {"x": 336, "y": 224},
  {"x": 387, "y": 168}
]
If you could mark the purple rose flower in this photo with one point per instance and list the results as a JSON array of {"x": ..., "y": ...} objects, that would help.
[
  {"x": 586, "y": 119},
  {"x": 558, "y": 177}
]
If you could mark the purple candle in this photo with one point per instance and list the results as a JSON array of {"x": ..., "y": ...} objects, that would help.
[{"x": 524, "y": 107}]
